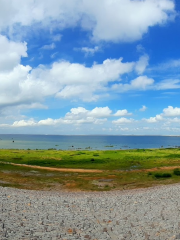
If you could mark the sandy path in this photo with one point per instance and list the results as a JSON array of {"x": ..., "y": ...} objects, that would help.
[
  {"x": 59, "y": 169},
  {"x": 90, "y": 170},
  {"x": 157, "y": 168}
]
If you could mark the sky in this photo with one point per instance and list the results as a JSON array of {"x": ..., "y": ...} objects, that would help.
[{"x": 108, "y": 67}]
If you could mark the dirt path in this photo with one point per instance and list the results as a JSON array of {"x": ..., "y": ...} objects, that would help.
[
  {"x": 90, "y": 170},
  {"x": 162, "y": 168},
  {"x": 59, "y": 169}
]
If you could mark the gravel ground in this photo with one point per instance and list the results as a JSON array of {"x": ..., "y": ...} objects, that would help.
[{"x": 152, "y": 213}]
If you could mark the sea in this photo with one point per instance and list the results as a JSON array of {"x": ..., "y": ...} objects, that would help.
[{"x": 91, "y": 142}]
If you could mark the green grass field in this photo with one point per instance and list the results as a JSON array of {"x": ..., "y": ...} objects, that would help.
[{"x": 122, "y": 169}]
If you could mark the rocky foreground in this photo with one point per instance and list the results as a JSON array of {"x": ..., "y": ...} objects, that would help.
[{"x": 152, "y": 213}]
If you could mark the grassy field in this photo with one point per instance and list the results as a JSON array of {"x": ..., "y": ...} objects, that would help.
[{"x": 121, "y": 169}]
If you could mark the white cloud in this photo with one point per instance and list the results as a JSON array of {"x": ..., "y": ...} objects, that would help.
[
  {"x": 57, "y": 37},
  {"x": 112, "y": 22},
  {"x": 168, "y": 84},
  {"x": 168, "y": 116},
  {"x": 24, "y": 123},
  {"x": 88, "y": 51},
  {"x": 76, "y": 116},
  {"x": 143, "y": 108},
  {"x": 100, "y": 112},
  {"x": 124, "y": 129},
  {"x": 171, "y": 111},
  {"x": 142, "y": 64},
  {"x": 140, "y": 48},
  {"x": 109, "y": 70},
  {"x": 123, "y": 121},
  {"x": 171, "y": 64},
  {"x": 123, "y": 112},
  {"x": 122, "y": 20},
  {"x": 49, "y": 47},
  {"x": 139, "y": 83},
  {"x": 54, "y": 55},
  {"x": 11, "y": 86},
  {"x": 155, "y": 119},
  {"x": 22, "y": 84},
  {"x": 82, "y": 113},
  {"x": 76, "y": 80},
  {"x": 93, "y": 121},
  {"x": 142, "y": 82},
  {"x": 11, "y": 53}
]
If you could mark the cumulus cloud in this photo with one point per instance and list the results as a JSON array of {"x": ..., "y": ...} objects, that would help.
[
  {"x": 123, "y": 112},
  {"x": 23, "y": 85},
  {"x": 143, "y": 108},
  {"x": 75, "y": 116},
  {"x": 122, "y": 121},
  {"x": 97, "y": 119},
  {"x": 155, "y": 119},
  {"x": 139, "y": 83},
  {"x": 122, "y": 20},
  {"x": 168, "y": 115},
  {"x": 80, "y": 112},
  {"x": 24, "y": 123},
  {"x": 111, "y": 21},
  {"x": 11, "y": 53},
  {"x": 171, "y": 111},
  {"x": 63, "y": 79},
  {"x": 76, "y": 80},
  {"x": 100, "y": 112}
]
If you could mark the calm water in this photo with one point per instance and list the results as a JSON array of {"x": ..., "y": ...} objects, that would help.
[{"x": 83, "y": 142}]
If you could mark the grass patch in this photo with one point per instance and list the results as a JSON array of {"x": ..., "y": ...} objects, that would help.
[
  {"x": 105, "y": 160},
  {"x": 125, "y": 169}
]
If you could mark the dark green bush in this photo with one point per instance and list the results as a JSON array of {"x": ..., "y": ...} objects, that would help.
[
  {"x": 166, "y": 175},
  {"x": 163, "y": 175},
  {"x": 95, "y": 154},
  {"x": 176, "y": 171}
]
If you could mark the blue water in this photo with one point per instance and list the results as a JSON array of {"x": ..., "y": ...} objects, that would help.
[{"x": 18, "y": 141}]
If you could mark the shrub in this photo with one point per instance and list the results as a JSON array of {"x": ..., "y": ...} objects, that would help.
[
  {"x": 95, "y": 154},
  {"x": 163, "y": 175},
  {"x": 166, "y": 175},
  {"x": 158, "y": 175},
  {"x": 176, "y": 171}
]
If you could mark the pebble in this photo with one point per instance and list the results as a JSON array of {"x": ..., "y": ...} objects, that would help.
[{"x": 149, "y": 214}]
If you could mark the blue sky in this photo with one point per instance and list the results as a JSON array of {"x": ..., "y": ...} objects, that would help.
[{"x": 90, "y": 67}]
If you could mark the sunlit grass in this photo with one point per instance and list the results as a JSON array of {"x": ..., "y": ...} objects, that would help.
[{"x": 122, "y": 169}]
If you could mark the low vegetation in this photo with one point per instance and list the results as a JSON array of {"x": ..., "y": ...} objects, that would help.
[
  {"x": 121, "y": 169},
  {"x": 177, "y": 171},
  {"x": 163, "y": 175}
]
